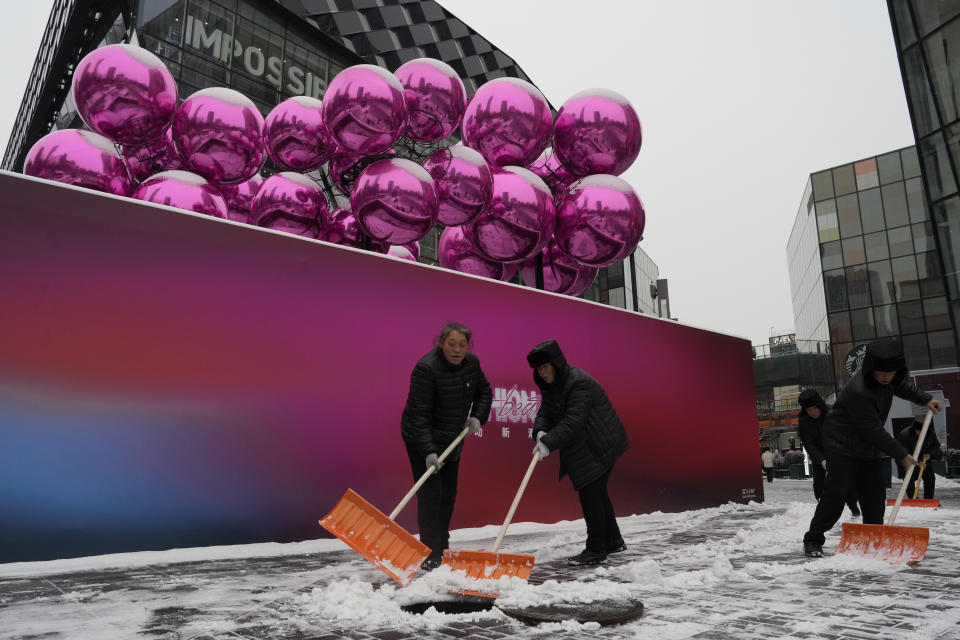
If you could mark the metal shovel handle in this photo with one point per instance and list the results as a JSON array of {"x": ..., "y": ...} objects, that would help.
[
  {"x": 430, "y": 470},
  {"x": 909, "y": 473},
  {"x": 516, "y": 501}
]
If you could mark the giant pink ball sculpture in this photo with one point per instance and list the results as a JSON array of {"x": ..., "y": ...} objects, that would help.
[
  {"x": 395, "y": 201},
  {"x": 292, "y": 203},
  {"x": 295, "y": 137},
  {"x": 125, "y": 93},
  {"x": 152, "y": 157},
  {"x": 239, "y": 197},
  {"x": 552, "y": 171},
  {"x": 219, "y": 132},
  {"x": 342, "y": 229},
  {"x": 561, "y": 273},
  {"x": 464, "y": 183},
  {"x": 455, "y": 251},
  {"x": 597, "y": 131},
  {"x": 508, "y": 121},
  {"x": 183, "y": 190},
  {"x": 435, "y": 98},
  {"x": 599, "y": 220},
  {"x": 81, "y": 158},
  {"x": 363, "y": 109},
  {"x": 520, "y": 219}
]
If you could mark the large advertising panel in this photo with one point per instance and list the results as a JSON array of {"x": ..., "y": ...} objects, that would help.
[{"x": 172, "y": 380}]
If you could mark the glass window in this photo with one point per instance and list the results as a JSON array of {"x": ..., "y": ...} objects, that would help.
[
  {"x": 840, "y": 351},
  {"x": 942, "y": 56},
  {"x": 911, "y": 317},
  {"x": 911, "y": 163},
  {"x": 930, "y": 274},
  {"x": 886, "y": 319},
  {"x": 936, "y": 314},
  {"x": 835, "y": 290},
  {"x": 936, "y": 166},
  {"x": 840, "y": 327},
  {"x": 871, "y": 211},
  {"x": 942, "y": 351},
  {"x": 858, "y": 286},
  {"x": 881, "y": 282},
  {"x": 164, "y": 20},
  {"x": 904, "y": 23},
  {"x": 923, "y": 237},
  {"x": 905, "y": 278},
  {"x": 866, "y": 172},
  {"x": 304, "y": 72},
  {"x": 830, "y": 256},
  {"x": 915, "y": 349},
  {"x": 901, "y": 241},
  {"x": 861, "y": 321},
  {"x": 827, "y": 220},
  {"x": 843, "y": 180},
  {"x": 918, "y": 91},
  {"x": 848, "y": 215},
  {"x": 932, "y": 15},
  {"x": 209, "y": 32},
  {"x": 888, "y": 166},
  {"x": 916, "y": 201},
  {"x": 876, "y": 246},
  {"x": 822, "y": 185},
  {"x": 895, "y": 205},
  {"x": 946, "y": 218},
  {"x": 853, "y": 251}
]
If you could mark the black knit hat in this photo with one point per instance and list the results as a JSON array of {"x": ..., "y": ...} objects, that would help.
[{"x": 809, "y": 398}]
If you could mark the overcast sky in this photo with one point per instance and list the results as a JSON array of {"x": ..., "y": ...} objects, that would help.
[{"x": 740, "y": 101}]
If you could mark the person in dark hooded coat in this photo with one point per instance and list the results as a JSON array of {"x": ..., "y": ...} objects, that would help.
[
  {"x": 577, "y": 418},
  {"x": 855, "y": 441},
  {"x": 930, "y": 449},
  {"x": 813, "y": 413}
]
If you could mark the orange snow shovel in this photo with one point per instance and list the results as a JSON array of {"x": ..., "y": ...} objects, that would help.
[
  {"x": 914, "y": 501},
  {"x": 377, "y": 537},
  {"x": 483, "y": 565},
  {"x": 894, "y": 544}
]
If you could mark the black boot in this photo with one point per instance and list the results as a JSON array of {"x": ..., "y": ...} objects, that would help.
[
  {"x": 812, "y": 550},
  {"x": 588, "y": 558}
]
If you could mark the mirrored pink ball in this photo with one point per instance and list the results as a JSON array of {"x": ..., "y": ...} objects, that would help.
[
  {"x": 152, "y": 157},
  {"x": 219, "y": 132},
  {"x": 295, "y": 137},
  {"x": 552, "y": 171},
  {"x": 600, "y": 220},
  {"x": 455, "y": 251},
  {"x": 395, "y": 201},
  {"x": 125, "y": 93},
  {"x": 342, "y": 229},
  {"x": 435, "y": 98},
  {"x": 561, "y": 273},
  {"x": 401, "y": 252},
  {"x": 508, "y": 121},
  {"x": 363, "y": 109},
  {"x": 239, "y": 197},
  {"x": 597, "y": 131},
  {"x": 520, "y": 219},
  {"x": 413, "y": 248},
  {"x": 464, "y": 183},
  {"x": 183, "y": 190},
  {"x": 80, "y": 158},
  {"x": 290, "y": 202}
]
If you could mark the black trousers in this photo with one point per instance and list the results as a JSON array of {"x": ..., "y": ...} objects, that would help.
[
  {"x": 819, "y": 475},
  {"x": 929, "y": 482},
  {"x": 769, "y": 472},
  {"x": 603, "y": 534},
  {"x": 867, "y": 477},
  {"x": 435, "y": 502}
]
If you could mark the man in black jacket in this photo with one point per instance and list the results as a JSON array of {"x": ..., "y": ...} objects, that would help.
[
  {"x": 929, "y": 450},
  {"x": 855, "y": 441},
  {"x": 448, "y": 392},
  {"x": 577, "y": 418},
  {"x": 813, "y": 413}
]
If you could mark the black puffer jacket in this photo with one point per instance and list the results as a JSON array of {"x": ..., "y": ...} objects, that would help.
[
  {"x": 439, "y": 402},
  {"x": 811, "y": 431},
  {"x": 931, "y": 444},
  {"x": 578, "y": 419},
  {"x": 854, "y": 427}
]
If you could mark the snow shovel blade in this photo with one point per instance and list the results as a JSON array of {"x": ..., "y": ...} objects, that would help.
[
  {"x": 484, "y": 565},
  {"x": 892, "y": 543},
  {"x": 376, "y": 537},
  {"x": 916, "y": 502}
]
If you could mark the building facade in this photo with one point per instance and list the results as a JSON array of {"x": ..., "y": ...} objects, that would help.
[{"x": 634, "y": 284}]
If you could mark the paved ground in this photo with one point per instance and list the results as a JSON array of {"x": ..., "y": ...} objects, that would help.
[{"x": 732, "y": 572}]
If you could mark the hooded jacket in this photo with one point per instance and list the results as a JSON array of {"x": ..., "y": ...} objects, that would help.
[
  {"x": 811, "y": 431},
  {"x": 854, "y": 427},
  {"x": 931, "y": 444},
  {"x": 577, "y": 418}
]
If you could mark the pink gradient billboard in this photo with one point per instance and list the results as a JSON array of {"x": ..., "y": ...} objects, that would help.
[{"x": 172, "y": 380}]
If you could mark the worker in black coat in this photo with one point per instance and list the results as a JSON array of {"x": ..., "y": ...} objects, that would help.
[
  {"x": 813, "y": 413},
  {"x": 855, "y": 441},
  {"x": 577, "y": 417},
  {"x": 448, "y": 392},
  {"x": 929, "y": 450}
]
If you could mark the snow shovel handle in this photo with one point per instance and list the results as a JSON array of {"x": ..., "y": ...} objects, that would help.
[
  {"x": 516, "y": 501},
  {"x": 430, "y": 470},
  {"x": 909, "y": 473}
]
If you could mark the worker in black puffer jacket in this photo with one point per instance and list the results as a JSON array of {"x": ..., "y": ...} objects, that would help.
[
  {"x": 930, "y": 449},
  {"x": 577, "y": 417},
  {"x": 813, "y": 413}
]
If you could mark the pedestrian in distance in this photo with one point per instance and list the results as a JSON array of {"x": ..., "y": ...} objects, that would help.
[
  {"x": 929, "y": 450},
  {"x": 813, "y": 413},
  {"x": 855, "y": 441},
  {"x": 448, "y": 392},
  {"x": 766, "y": 459},
  {"x": 577, "y": 419}
]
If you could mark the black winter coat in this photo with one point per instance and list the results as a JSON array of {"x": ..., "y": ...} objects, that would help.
[
  {"x": 578, "y": 419},
  {"x": 931, "y": 444},
  {"x": 854, "y": 426},
  {"x": 811, "y": 433},
  {"x": 439, "y": 402}
]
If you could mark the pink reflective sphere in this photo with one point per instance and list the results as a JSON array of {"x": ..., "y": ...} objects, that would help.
[
  {"x": 552, "y": 171},
  {"x": 464, "y": 183},
  {"x": 395, "y": 201},
  {"x": 413, "y": 248},
  {"x": 599, "y": 220},
  {"x": 342, "y": 229},
  {"x": 183, "y": 190},
  {"x": 561, "y": 273},
  {"x": 401, "y": 252},
  {"x": 508, "y": 121},
  {"x": 597, "y": 131},
  {"x": 295, "y": 137},
  {"x": 520, "y": 219},
  {"x": 124, "y": 92},
  {"x": 154, "y": 156},
  {"x": 290, "y": 202},
  {"x": 239, "y": 197},
  {"x": 219, "y": 132},
  {"x": 455, "y": 251},
  {"x": 80, "y": 158},
  {"x": 435, "y": 98},
  {"x": 363, "y": 109}
]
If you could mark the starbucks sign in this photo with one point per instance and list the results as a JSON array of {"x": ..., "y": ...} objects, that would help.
[{"x": 854, "y": 359}]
